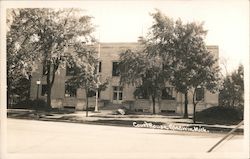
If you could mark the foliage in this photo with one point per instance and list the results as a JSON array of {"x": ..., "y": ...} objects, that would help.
[
  {"x": 195, "y": 65},
  {"x": 20, "y": 54},
  {"x": 220, "y": 115},
  {"x": 174, "y": 52},
  {"x": 84, "y": 61},
  {"x": 182, "y": 48},
  {"x": 232, "y": 92},
  {"x": 37, "y": 104},
  {"x": 47, "y": 33},
  {"x": 143, "y": 71}
]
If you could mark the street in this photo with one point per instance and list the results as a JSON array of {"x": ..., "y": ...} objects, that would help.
[{"x": 29, "y": 138}]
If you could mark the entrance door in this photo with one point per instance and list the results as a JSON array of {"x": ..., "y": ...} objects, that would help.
[{"x": 117, "y": 95}]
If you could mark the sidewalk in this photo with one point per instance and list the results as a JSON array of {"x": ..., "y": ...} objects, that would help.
[{"x": 106, "y": 117}]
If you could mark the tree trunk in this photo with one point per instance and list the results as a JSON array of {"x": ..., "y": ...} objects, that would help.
[
  {"x": 87, "y": 102},
  {"x": 186, "y": 106},
  {"x": 49, "y": 96},
  {"x": 194, "y": 114},
  {"x": 153, "y": 100},
  {"x": 28, "y": 94},
  {"x": 48, "y": 86},
  {"x": 194, "y": 104}
]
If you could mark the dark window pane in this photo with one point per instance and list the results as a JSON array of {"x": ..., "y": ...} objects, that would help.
[
  {"x": 70, "y": 91},
  {"x": 91, "y": 93},
  {"x": 120, "y": 96},
  {"x": 115, "y": 70},
  {"x": 114, "y": 96},
  {"x": 45, "y": 71},
  {"x": 141, "y": 93},
  {"x": 100, "y": 66},
  {"x": 70, "y": 71},
  {"x": 44, "y": 90},
  {"x": 167, "y": 93},
  {"x": 199, "y": 94}
]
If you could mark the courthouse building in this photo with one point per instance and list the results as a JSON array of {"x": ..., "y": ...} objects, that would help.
[{"x": 115, "y": 95}]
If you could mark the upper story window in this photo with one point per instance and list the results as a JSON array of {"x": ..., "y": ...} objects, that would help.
[
  {"x": 200, "y": 94},
  {"x": 99, "y": 67},
  {"x": 167, "y": 93},
  {"x": 115, "y": 70},
  {"x": 70, "y": 71},
  {"x": 70, "y": 91},
  {"x": 45, "y": 70}
]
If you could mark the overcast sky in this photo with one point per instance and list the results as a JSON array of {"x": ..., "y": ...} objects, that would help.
[{"x": 123, "y": 21}]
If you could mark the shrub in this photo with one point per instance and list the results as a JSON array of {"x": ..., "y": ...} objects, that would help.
[
  {"x": 220, "y": 115},
  {"x": 24, "y": 104},
  {"x": 37, "y": 104}
]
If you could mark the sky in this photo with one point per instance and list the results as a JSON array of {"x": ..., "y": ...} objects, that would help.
[{"x": 227, "y": 21}]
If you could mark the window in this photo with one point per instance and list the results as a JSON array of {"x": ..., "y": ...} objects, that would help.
[
  {"x": 115, "y": 70},
  {"x": 141, "y": 93},
  {"x": 45, "y": 71},
  {"x": 92, "y": 93},
  {"x": 117, "y": 93},
  {"x": 167, "y": 93},
  {"x": 200, "y": 94},
  {"x": 70, "y": 91},
  {"x": 70, "y": 71},
  {"x": 44, "y": 90},
  {"x": 99, "y": 68}
]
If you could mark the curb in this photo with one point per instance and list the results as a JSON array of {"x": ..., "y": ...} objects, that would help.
[{"x": 211, "y": 129}]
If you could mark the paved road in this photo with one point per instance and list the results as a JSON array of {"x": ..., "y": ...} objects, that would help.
[{"x": 34, "y": 139}]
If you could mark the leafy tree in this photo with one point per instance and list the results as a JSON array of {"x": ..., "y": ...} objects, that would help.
[
  {"x": 20, "y": 53},
  {"x": 232, "y": 92},
  {"x": 195, "y": 66},
  {"x": 84, "y": 61},
  {"x": 173, "y": 52},
  {"x": 187, "y": 62},
  {"x": 150, "y": 67},
  {"x": 51, "y": 31},
  {"x": 145, "y": 72}
]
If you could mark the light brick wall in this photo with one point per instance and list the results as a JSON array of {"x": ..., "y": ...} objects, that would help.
[{"x": 109, "y": 53}]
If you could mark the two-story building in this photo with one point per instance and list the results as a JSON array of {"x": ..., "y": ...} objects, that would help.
[{"x": 64, "y": 96}]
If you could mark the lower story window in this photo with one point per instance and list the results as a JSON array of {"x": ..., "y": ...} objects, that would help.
[
  {"x": 167, "y": 93},
  {"x": 117, "y": 93},
  {"x": 70, "y": 91},
  {"x": 92, "y": 93},
  {"x": 199, "y": 94},
  {"x": 44, "y": 90},
  {"x": 141, "y": 93}
]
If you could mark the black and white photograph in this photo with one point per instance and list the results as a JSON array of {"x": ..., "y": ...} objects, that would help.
[{"x": 124, "y": 79}]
